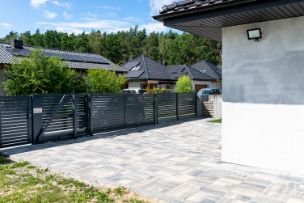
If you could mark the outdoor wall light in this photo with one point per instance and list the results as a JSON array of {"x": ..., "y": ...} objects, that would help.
[{"x": 254, "y": 34}]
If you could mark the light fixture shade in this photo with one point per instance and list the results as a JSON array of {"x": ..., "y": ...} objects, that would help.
[{"x": 254, "y": 34}]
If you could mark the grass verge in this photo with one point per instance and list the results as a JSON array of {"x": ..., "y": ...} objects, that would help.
[
  {"x": 216, "y": 121},
  {"x": 22, "y": 182}
]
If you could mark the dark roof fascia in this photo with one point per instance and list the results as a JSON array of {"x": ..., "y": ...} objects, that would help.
[
  {"x": 206, "y": 80},
  {"x": 143, "y": 80},
  {"x": 247, "y": 5},
  {"x": 211, "y": 7}
]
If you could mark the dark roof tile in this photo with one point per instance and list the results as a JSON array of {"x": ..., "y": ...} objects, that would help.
[
  {"x": 191, "y": 4},
  {"x": 144, "y": 68},
  {"x": 9, "y": 55},
  {"x": 152, "y": 70},
  {"x": 208, "y": 69}
]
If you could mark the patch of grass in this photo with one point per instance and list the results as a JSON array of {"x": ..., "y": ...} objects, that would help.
[
  {"x": 216, "y": 121},
  {"x": 22, "y": 182}
]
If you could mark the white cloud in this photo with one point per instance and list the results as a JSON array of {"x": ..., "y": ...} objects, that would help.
[
  {"x": 154, "y": 27},
  {"x": 62, "y": 4},
  {"x": 156, "y": 5},
  {"x": 88, "y": 16},
  {"x": 38, "y": 3},
  {"x": 50, "y": 15},
  {"x": 67, "y": 16},
  {"x": 109, "y": 8},
  {"x": 79, "y": 27},
  {"x": 5, "y": 25},
  {"x": 101, "y": 25}
]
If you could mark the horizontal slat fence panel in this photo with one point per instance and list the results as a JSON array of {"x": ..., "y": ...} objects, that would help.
[
  {"x": 14, "y": 120},
  {"x": 186, "y": 105},
  {"x": 139, "y": 110},
  {"x": 42, "y": 118},
  {"x": 167, "y": 109},
  {"x": 107, "y": 112}
]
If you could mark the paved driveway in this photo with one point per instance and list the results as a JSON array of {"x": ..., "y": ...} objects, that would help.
[{"x": 176, "y": 163}]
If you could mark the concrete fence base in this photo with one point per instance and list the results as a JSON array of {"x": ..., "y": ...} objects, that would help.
[{"x": 212, "y": 107}]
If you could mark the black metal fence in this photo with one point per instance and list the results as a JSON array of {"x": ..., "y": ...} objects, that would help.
[{"x": 40, "y": 118}]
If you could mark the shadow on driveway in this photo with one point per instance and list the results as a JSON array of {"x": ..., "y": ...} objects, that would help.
[{"x": 102, "y": 135}]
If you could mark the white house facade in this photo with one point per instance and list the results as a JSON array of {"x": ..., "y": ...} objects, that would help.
[
  {"x": 263, "y": 76},
  {"x": 263, "y": 105}
]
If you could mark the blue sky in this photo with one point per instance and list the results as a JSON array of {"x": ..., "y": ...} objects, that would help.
[{"x": 76, "y": 16}]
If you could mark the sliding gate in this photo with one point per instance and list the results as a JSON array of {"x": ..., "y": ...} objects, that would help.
[{"x": 59, "y": 116}]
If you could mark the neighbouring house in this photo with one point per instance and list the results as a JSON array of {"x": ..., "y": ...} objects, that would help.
[
  {"x": 210, "y": 70},
  {"x": 263, "y": 71},
  {"x": 144, "y": 72},
  {"x": 80, "y": 62}
]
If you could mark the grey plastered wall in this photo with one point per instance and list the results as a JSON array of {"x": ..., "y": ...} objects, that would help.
[{"x": 270, "y": 71}]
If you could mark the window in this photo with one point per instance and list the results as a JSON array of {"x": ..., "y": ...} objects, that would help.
[
  {"x": 135, "y": 68},
  {"x": 203, "y": 71}
]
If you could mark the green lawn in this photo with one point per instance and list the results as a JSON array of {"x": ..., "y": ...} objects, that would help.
[
  {"x": 216, "y": 121},
  {"x": 22, "y": 182}
]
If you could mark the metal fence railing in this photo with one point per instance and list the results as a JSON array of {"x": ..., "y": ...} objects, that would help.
[{"x": 40, "y": 118}]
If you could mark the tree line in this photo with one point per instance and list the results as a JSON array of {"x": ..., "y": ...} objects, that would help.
[{"x": 167, "y": 48}]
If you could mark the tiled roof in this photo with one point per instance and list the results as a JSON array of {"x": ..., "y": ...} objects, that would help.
[
  {"x": 197, "y": 75},
  {"x": 208, "y": 69},
  {"x": 83, "y": 65},
  {"x": 9, "y": 55},
  {"x": 191, "y": 4},
  {"x": 177, "y": 70},
  {"x": 144, "y": 68}
]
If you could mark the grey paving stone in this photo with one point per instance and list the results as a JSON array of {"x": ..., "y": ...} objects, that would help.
[{"x": 178, "y": 163}]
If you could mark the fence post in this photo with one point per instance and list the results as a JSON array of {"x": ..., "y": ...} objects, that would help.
[
  {"x": 124, "y": 110},
  {"x": 177, "y": 113},
  {"x": 0, "y": 124},
  {"x": 88, "y": 103},
  {"x": 198, "y": 106},
  {"x": 36, "y": 117},
  {"x": 156, "y": 108},
  {"x": 75, "y": 121},
  {"x": 29, "y": 119},
  {"x": 91, "y": 100}
]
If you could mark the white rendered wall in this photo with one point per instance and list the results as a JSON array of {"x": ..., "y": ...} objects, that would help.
[
  {"x": 263, "y": 96},
  {"x": 216, "y": 85},
  {"x": 134, "y": 85}
]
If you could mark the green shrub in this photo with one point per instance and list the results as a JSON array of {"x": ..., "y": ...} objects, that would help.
[
  {"x": 103, "y": 81},
  {"x": 184, "y": 85},
  {"x": 159, "y": 90},
  {"x": 39, "y": 74}
]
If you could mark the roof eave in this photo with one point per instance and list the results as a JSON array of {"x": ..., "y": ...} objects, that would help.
[{"x": 162, "y": 17}]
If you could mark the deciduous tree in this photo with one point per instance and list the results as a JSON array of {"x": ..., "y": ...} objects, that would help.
[
  {"x": 103, "y": 81},
  {"x": 184, "y": 85},
  {"x": 38, "y": 74}
]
